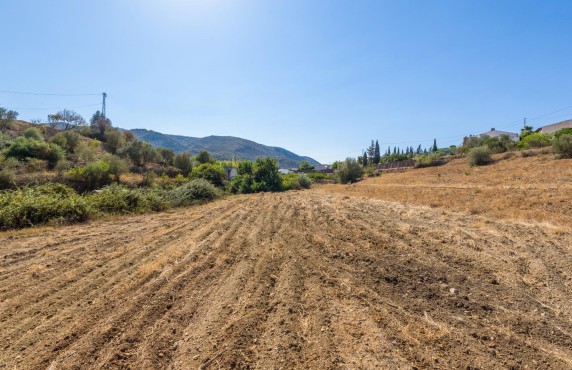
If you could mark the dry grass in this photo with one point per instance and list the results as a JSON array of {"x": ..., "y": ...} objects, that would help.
[{"x": 533, "y": 187}]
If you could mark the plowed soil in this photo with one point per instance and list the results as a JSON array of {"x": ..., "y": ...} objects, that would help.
[{"x": 292, "y": 280}]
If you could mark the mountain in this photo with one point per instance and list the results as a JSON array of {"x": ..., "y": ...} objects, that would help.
[{"x": 222, "y": 147}]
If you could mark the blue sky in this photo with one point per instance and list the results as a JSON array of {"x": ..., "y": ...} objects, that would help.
[{"x": 320, "y": 78}]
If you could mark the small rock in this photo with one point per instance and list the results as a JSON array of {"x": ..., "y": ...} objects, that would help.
[
  {"x": 195, "y": 357},
  {"x": 454, "y": 291}
]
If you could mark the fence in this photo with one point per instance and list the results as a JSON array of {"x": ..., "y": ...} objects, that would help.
[{"x": 400, "y": 164}]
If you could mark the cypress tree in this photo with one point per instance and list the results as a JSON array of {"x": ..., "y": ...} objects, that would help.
[
  {"x": 419, "y": 150},
  {"x": 364, "y": 158},
  {"x": 377, "y": 156},
  {"x": 434, "y": 149}
]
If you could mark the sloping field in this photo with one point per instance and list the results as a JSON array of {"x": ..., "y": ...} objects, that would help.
[
  {"x": 536, "y": 188},
  {"x": 291, "y": 280}
]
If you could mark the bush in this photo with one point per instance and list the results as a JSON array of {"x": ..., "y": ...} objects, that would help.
[
  {"x": 119, "y": 199},
  {"x": 204, "y": 157},
  {"x": 92, "y": 176},
  {"x": 564, "y": 131},
  {"x": 305, "y": 165},
  {"x": 194, "y": 192},
  {"x": 114, "y": 139},
  {"x": 7, "y": 179},
  {"x": 266, "y": 175},
  {"x": 428, "y": 161},
  {"x": 563, "y": 146},
  {"x": 304, "y": 181},
  {"x": 349, "y": 171},
  {"x": 68, "y": 140},
  {"x": 536, "y": 140},
  {"x": 479, "y": 156},
  {"x": 117, "y": 166},
  {"x": 320, "y": 177},
  {"x": 41, "y": 204},
  {"x": 33, "y": 133},
  {"x": 140, "y": 152},
  {"x": 211, "y": 172},
  {"x": 23, "y": 148}
]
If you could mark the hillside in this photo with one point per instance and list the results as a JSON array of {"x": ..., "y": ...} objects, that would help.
[{"x": 222, "y": 147}]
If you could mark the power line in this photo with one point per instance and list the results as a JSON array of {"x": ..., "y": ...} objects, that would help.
[
  {"x": 31, "y": 93},
  {"x": 77, "y": 106}
]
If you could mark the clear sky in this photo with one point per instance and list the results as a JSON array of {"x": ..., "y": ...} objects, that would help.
[{"x": 318, "y": 77}]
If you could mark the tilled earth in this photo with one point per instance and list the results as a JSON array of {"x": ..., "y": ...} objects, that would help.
[{"x": 291, "y": 280}]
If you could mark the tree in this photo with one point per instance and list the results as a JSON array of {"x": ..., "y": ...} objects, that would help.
[
  {"x": 114, "y": 139},
  {"x": 349, "y": 171},
  {"x": 66, "y": 119},
  {"x": 7, "y": 116},
  {"x": 266, "y": 175},
  {"x": 305, "y": 165},
  {"x": 371, "y": 150},
  {"x": 434, "y": 148},
  {"x": 364, "y": 159},
  {"x": 183, "y": 162},
  {"x": 98, "y": 123},
  {"x": 211, "y": 172},
  {"x": 140, "y": 152},
  {"x": 377, "y": 154},
  {"x": 524, "y": 132},
  {"x": 204, "y": 157},
  {"x": 419, "y": 150}
]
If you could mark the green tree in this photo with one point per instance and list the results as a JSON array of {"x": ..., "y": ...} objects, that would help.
[
  {"x": 434, "y": 148},
  {"x": 99, "y": 123},
  {"x": 33, "y": 133},
  {"x": 114, "y": 139},
  {"x": 183, "y": 162},
  {"x": 364, "y": 159},
  {"x": 525, "y": 131},
  {"x": 140, "y": 152},
  {"x": 266, "y": 175},
  {"x": 349, "y": 171},
  {"x": 204, "y": 157},
  {"x": 305, "y": 165},
  {"x": 377, "y": 154},
  {"x": 6, "y": 117}
]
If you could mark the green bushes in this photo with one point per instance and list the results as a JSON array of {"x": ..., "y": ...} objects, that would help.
[
  {"x": 118, "y": 199},
  {"x": 193, "y": 192},
  {"x": 479, "y": 156},
  {"x": 7, "y": 178},
  {"x": 535, "y": 140},
  {"x": 23, "y": 148},
  {"x": 261, "y": 175},
  {"x": 37, "y": 205},
  {"x": 563, "y": 145},
  {"x": 211, "y": 172},
  {"x": 428, "y": 161},
  {"x": 92, "y": 176},
  {"x": 33, "y": 133},
  {"x": 349, "y": 171},
  {"x": 68, "y": 140}
]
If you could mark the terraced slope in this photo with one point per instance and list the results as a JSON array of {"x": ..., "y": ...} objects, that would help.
[{"x": 291, "y": 280}]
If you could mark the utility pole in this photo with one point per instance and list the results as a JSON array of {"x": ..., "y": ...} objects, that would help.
[{"x": 103, "y": 104}]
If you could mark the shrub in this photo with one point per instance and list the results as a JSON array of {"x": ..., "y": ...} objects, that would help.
[
  {"x": 92, "y": 176},
  {"x": 23, "y": 148},
  {"x": 479, "y": 156},
  {"x": 194, "y": 192},
  {"x": 204, "y": 157},
  {"x": 41, "y": 204},
  {"x": 428, "y": 161},
  {"x": 304, "y": 181},
  {"x": 119, "y": 199},
  {"x": 320, "y": 177},
  {"x": 564, "y": 131},
  {"x": 68, "y": 140},
  {"x": 140, "y": 152},
  {"x": 349, "y": 171},
  {"x": 211, "y": 172},
  {"x": 117, "y": 166},
  {"x": 5, "y": 140},
  {"x": 7, "y": 179},
  {"x": 289, "y": 183},
  {"x": 33, "y": 133},
  {"x": 563, "y": 146},
  {"x": 168, "y": 155},
  {"x": 305, "y": 165},
  {"x": 241, "y": 184},
  {"x": 536, "y": 140}
]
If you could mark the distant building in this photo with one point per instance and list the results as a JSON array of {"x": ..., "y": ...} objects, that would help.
[
  {"x": 550, "y": 129},
  {"x": 492, "y": 133},
  {"x": 284, "y": 171},
  {"x": 321, "y": 167}
]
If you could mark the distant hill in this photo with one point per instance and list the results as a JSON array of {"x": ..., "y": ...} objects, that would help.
[{"x": 222, "y": 147}]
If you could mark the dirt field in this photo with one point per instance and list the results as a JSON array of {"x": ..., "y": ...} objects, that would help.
[{"x": 310, "y": 279}]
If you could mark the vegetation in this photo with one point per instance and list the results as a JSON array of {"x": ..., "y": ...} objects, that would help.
[
  {"x": 563, "y": 145},
  {"x": 262, "y": 175},
  {"x": 211, "y": 172},
  {"x": 349, "y": 171},
  {"x": 479, "y": 156},
  {"x": 305, "y": 165},
  {"x": 6, "y": 118}
]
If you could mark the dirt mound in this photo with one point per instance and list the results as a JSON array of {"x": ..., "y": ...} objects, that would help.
[{"x": 291, "y": 280}]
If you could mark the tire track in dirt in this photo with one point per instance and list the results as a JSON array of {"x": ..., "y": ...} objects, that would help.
[{"x": 292, "y": 280}]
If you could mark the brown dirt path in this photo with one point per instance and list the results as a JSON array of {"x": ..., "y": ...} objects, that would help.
[{"x": 292, "y": 280}]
